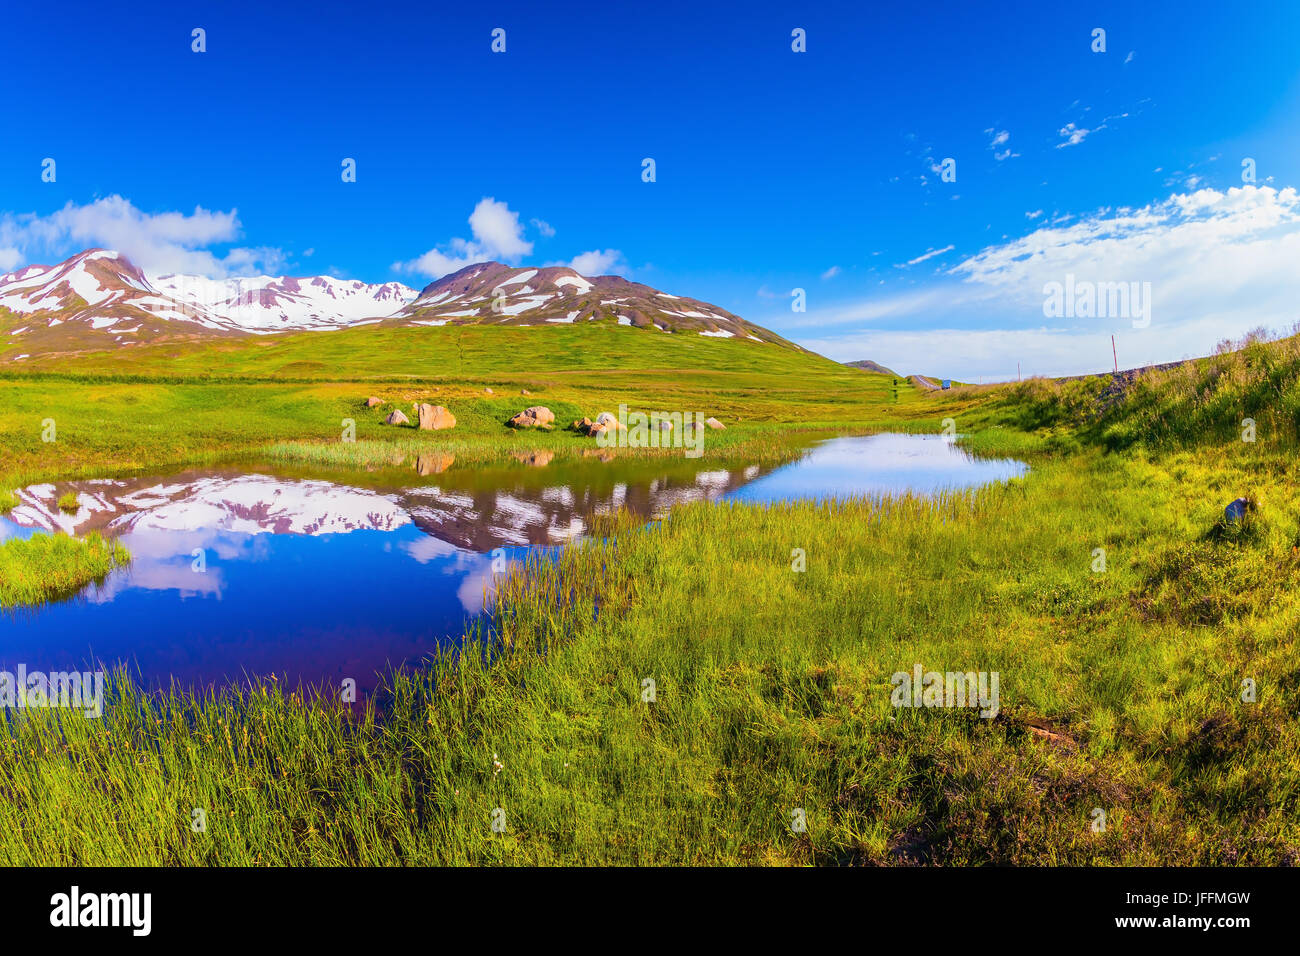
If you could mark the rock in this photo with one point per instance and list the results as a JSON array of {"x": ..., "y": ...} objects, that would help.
[
  {"x": 609, "y": 421},
  {"x": 665, "y": 426},
  {"x": 395, "y": 417},
  {"x": 524, "y": 391},
  {"x": 532, "y": 417},
  {"x": 596, "y": 428},
  {"x": 488, "y": 391},
  {"x": 535, "y": 459},
  {"x": 1238, "y": 508},
  {"x": 696, "y": 426},
  {"x": 371, "y": 402},
  {"x": 582, "y": 425},
  {"x": 433, "y": 462},
  {"x": 435, "y": 417},
  {"x": 715, "y": 424}
]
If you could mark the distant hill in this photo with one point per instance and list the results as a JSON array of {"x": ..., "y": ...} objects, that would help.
[
  {"x": 869, "y": 366},
  {"x": 489, "y": 293}
]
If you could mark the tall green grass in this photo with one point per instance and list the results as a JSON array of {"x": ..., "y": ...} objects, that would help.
[
  {"x": 1203, "y": 401},
  {"x": 46, "y": 567},
  {"x": 1120, "y": 690}
]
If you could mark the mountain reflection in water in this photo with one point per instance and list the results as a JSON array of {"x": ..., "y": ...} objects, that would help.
[{"x": 255, "y": 571}]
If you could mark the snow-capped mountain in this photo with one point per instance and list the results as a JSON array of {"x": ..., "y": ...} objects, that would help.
[
  {"x": 99, "y": 299},
  {"x": 270, "y": 304},
  {"x": 103, "y": 291},
  {"x": 98, "y": 290},
  {"x": 492, "y": 293}
]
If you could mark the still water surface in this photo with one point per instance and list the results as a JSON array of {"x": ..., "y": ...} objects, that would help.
[{"x": 257, "y": 571}]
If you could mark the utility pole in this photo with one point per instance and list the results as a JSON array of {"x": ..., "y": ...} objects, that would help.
[{"x": 1114, "y": 354}]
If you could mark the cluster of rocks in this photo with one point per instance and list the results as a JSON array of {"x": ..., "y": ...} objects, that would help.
[
  {"x": 434, "y": 417},
  {"x": 605, "y": 422}
]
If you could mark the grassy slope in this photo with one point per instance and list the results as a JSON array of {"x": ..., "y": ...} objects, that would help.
[
  {"x": 773, "y": 685},
  {"x": 156, "y": 405}
]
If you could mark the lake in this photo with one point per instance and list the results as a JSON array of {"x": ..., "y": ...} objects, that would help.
[{"x": 259, "y": 570}]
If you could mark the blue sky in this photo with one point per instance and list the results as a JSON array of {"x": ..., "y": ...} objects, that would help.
[{"x": 775, "y": 170}]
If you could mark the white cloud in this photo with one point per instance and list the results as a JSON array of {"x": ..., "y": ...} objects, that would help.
[
  {"x": 156, "y": 242},
  {"x": 930, "y": 254},
  {"x": 831, "y": 273},
  {"x": 1219, "y": 265},
  {"x": 597, "y": 262},
  {"x": 1203, "y": 246},
  {"x": 1073, "y": 135},
  {"x": 498, "y": 229},
  {"x": 997, "y": 139},
  {"x": 497, "y": 232},
  {"x": 544, "y": 227}
]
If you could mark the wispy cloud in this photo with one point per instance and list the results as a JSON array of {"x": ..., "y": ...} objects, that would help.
[
  {"x": 1072, "y": 134},
  {"x": 1219, "y": 263},
  {"x": 930, "y": 254},
  {"x": 998, "y": 140}
]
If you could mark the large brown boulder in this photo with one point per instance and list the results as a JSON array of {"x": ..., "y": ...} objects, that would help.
[
  {"x": 371, "y": 402},
  {"x": 395, "y": 417},
  {"x": 532, "y": 417},
  {"x": 715, "y": 424},
  {"x": 435, "y": 417}
]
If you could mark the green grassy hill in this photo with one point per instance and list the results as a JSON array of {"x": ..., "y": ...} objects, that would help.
[{"x": 146, "y": 405}]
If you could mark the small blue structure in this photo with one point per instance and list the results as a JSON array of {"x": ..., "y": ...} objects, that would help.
[
  {"x": 1237, "y": 509},
  {"x": 947, "y": 383}
]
